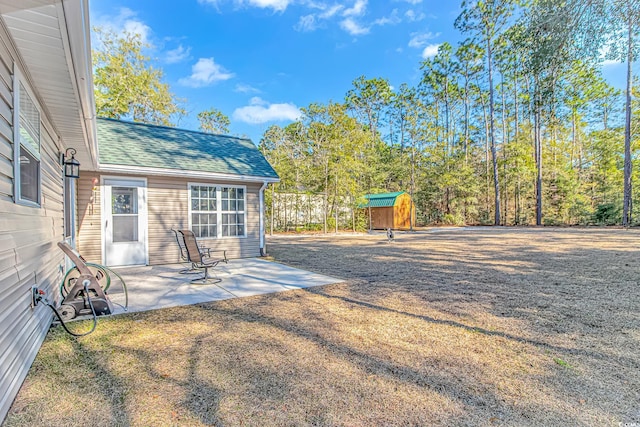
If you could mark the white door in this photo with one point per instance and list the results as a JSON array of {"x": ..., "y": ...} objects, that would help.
[{"x": 124, "y": 222}]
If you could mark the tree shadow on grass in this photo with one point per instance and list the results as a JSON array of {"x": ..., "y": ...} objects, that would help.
[
  {"x": 541, "y": 344},
  {"x": 201, "y": 399},
  {"x": 111, "y": 386},
  {"x": 370, "y": 364}
]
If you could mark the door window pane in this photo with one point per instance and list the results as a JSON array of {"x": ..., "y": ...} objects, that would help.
[
  {"x": 124, "y": 200},
  {"x": 125, "y": 228}
]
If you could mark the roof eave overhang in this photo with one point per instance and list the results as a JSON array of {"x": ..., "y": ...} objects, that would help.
[
  {"x": 69, "y": 39},
  {"x": 147, "y": 171},
  {"x": 77, "y": 24}
]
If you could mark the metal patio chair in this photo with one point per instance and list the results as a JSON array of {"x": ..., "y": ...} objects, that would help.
[
  {"x": 202, "y": 260},
  {"x": 184, "y": 257}
]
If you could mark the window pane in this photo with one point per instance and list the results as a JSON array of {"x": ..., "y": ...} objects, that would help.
[
  {"x": 124, "y": 200},
  {"x": 125, "y": 229},
  {"x": 240, "y": 205},
  {"x": 240, "y": 218},
  {"x": 29, "y": 176},
  {"x": 232, "y": 193},
  {"x": 225, "y": 205},
  {"x": 240, "y": 230},
  {"x": 29, "y": 122},
  {"x": 240, "y": 193},
  {"x": 203, "y": 201}
]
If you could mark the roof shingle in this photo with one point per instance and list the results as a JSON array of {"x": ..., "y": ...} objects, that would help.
[{"x": 143, "y": 145}]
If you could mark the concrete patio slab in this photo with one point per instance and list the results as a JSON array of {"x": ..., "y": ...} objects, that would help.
[{"x": 162, "y": 286}]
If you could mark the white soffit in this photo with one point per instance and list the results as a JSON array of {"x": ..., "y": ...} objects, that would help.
[{"x": 52, "y": 37}]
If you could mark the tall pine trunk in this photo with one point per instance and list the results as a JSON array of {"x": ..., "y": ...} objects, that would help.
[
  {"x": 537, "y": 106},
  {"x": 626, "y": 204},
  {"x": 492, "y": 141}
]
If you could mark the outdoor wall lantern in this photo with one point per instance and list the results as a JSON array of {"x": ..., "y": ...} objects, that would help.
[{"x": 71, "y": 166}]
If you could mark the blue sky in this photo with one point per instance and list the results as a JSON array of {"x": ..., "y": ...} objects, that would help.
[{"x": 259, "y": 61}]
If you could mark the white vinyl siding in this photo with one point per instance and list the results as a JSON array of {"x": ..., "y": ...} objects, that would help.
[
  {"x": 28, "y": 233},
  {"x": 168, "y": 206}
]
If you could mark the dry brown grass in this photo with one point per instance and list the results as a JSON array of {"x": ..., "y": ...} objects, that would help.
[{"x": 469, "y": 327}]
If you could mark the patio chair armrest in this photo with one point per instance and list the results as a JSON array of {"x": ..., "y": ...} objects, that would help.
[{"x": 222, "y": 258}]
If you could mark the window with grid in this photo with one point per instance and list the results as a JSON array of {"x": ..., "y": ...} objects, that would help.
[
  {"x": 28, "y": 153},
  {"x": 217, "y": 212},
  {"x": 204, "y": 211},
  {"x": 232, "y": 207}
]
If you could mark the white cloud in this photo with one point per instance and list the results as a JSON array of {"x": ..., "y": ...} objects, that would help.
[
  {"x": 392, "y": 19},
  {"x": 277, "y": 5},
  {"x": 610, "y": 63},
  {"x": 204, "y": 73},
  {"x": 314, "y": 21},
  {"x": 306, "y": 23},
  {"x": 413, "y": 1},
  {"x": 430, "y": 51},
  {"x": 244, "y": 88},
  {"x": 412, "y": 16},
  {"x": 358, "y": 9},
  {"x": 125, "y": 21},
  {"x": 331, "y": 11},
  {"x": 419, "y": 40},
  {"x": 353, "y": 28},
  {"x": 178, "y": 54},
  {"x": 260, "y": 111}
]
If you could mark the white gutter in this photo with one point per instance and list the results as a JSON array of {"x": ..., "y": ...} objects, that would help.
[
  {"x": 263, "y": 252},
  {"x": 143, "y": 170}
]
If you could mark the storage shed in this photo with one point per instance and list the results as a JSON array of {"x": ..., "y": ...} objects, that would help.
[{"x": 390, "y": 210}]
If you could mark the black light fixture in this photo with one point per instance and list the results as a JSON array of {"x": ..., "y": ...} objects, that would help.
[{"x": 71, "y": 166}]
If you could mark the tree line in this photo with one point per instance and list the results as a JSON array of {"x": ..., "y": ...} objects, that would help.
[{"x": 514, "y": 125}]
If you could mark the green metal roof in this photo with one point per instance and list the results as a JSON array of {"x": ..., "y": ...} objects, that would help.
[
  {"x": 143, "y": 145},
  {"x": 383, "y": 200}
]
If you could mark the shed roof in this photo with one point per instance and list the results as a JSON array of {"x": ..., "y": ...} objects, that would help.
[
  {"x": 382, "y": 200},
  {"x": 151, "y": 146}
]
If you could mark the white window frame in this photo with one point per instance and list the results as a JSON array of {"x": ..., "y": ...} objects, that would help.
[
  {"x": 18, "y": 80},
  {"x": 219, "y": 210}
]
